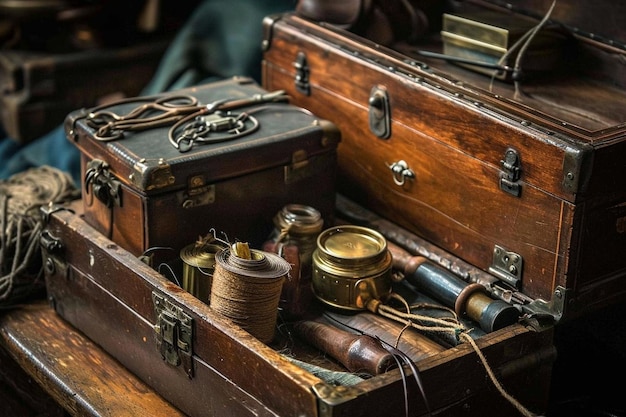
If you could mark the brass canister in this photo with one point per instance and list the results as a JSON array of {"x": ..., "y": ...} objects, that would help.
[
  {"x": 351, "y": 266},
  {"x": 198, "y": 268}
]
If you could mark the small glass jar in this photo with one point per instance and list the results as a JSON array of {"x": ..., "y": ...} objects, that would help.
[{"x": 294, "y": 237}]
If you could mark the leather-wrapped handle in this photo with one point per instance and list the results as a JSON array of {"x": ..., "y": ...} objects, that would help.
[
  {"x": 358, "y": 353},
  {"x": 445, "y": 287}
]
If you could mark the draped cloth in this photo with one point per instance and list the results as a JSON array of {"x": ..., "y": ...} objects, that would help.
[{"x": 221, "y": 39}]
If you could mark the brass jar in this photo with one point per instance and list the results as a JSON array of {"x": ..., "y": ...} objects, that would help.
[{"x": 351, "y": 266}]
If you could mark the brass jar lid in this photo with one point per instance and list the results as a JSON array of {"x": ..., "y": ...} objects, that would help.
[
  {"x": 351, "y": 267},
  {"x": 347, "y": 249}
]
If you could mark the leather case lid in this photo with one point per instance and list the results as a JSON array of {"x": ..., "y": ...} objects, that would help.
[{"x": 148, "y": 161}]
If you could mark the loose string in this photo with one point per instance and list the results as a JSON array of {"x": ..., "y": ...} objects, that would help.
[
  {"x": 450, "y": 326},
  {"x": 523, "y": 410},
  {"x": 524, "y": 41}
]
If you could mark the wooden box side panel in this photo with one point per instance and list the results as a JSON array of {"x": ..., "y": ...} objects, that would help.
[
  {"x": 131, "y": 339},
  {"x": 92, "y": 268},
  {"x": 241, "y": 208},
  {"x": 455, "y": 381},
  {"x": 577, "y": 246},
  {"x": 598, "y": 278},
  {"x": 454, "y": 199},
  {"x": 105, "y": 291},
  {"x": 435, "y": 107}
]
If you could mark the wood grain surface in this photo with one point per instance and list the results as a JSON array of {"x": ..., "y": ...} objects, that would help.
[{"x": 73, "y": 370}]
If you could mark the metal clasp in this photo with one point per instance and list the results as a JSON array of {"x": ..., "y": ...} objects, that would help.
[
  {"x": 401, "y": 171},
  {"x": 379, "y": 113},
  {"x": 52, "y": 251},
  {"x": 302, "y": 74},
  {"x": 104, "y": 185},
  {"x": 174, "y": 333},
  {"x": 511, "y": 165}
]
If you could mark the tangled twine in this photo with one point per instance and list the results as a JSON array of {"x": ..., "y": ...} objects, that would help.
[
  {"x": 451, "y": 326},
  {"x": 21, "y": 197}
]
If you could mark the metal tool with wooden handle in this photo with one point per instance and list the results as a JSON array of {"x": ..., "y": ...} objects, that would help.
[
  {"x": 358, "y": 353},
  {"x": 442, "y": 285},
  {"x": 414, "y": 344}
]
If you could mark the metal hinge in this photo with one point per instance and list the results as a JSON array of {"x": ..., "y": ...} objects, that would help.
[
  {"x": 174, "y": 333},
  {"x": 553, "y": 310},
  {"x": 507, "y": 266},
  {"x": 302, "y": 74},
  {"x": 511, "y": 166}
]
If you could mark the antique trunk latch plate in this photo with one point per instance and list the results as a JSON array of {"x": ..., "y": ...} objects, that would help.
[
  {"x": 379, "y": 113},
  {"x": 511, "y": 172},
  {"x": 174, "y": 333},
  {"x": 198, "y": 193},
  {"x": 507, "y": 266}
]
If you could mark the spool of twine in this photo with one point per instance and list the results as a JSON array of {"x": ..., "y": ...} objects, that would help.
[{"x": 248, "y": 290}]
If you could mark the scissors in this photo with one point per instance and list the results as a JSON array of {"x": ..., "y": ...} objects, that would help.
[
  {"x": 158, "y": 111},
  {"x": 153, "y": 112}
]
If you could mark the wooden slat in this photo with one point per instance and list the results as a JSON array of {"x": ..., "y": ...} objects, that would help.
[{"x": 79, "y": 375}]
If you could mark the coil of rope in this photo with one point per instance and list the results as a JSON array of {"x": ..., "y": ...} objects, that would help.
[{"x": 21, "y": 197}]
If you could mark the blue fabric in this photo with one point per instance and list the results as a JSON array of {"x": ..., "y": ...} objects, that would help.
[
  {"x": 222, "y": 38},
  {"x": 52, "y": 149}
]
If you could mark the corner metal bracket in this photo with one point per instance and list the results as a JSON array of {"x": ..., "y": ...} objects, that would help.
[{"x": 553, "y": 309}]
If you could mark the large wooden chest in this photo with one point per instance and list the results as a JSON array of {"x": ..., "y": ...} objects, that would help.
[
  {"x": 524, "y": 179},
  {"x": 149, "y": 194},
  {"x": 206, "y": 365}
]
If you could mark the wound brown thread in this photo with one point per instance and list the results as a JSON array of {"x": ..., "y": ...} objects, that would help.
[{"x": 248, "y": 290}]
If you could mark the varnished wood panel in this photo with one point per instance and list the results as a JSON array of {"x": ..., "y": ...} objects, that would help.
[{"x": 81, "y": 377}]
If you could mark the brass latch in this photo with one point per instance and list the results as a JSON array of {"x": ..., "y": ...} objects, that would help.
[
  {"x": 296, "y": 170},
  {"x": 174, "y": 333},
  {"x": 198, "y": 193}
]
